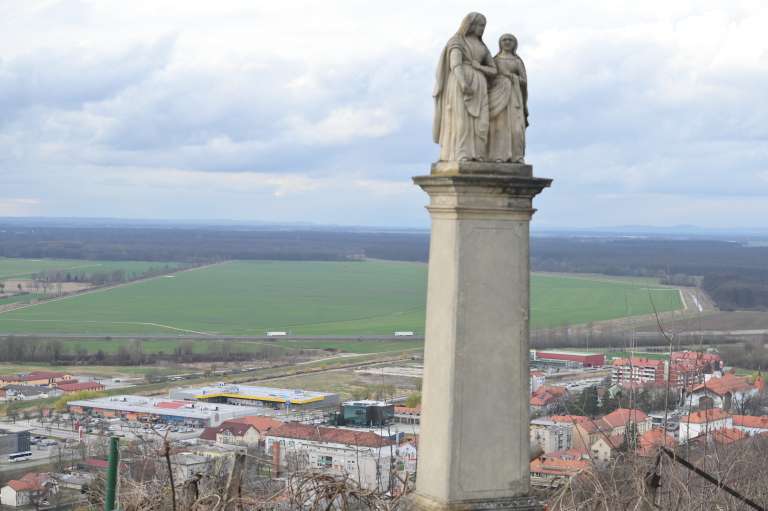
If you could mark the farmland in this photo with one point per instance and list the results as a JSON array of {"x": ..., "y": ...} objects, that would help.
[
  {"x": 305, "y": 298},
  {"x": 25, "y": 281},
  {"x": 558, "y": 300},
  {"x": 24, "y": 268}
]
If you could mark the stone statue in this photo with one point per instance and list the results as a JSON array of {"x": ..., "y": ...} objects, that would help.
[
  {"x": 461, "y": 93},
  {"x": 508, "y": 103}
]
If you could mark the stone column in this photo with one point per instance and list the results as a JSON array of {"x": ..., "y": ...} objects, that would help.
[{"x": 474, "y": 441}]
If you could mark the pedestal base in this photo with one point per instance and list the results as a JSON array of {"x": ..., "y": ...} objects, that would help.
[{"x": 421, "y": 503}]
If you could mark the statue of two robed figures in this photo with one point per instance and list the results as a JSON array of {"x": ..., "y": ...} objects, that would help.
[{"x": 481, "y": 107}]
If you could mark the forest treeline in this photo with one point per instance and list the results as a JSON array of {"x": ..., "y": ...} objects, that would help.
[
  {"x": 196, "y": 245},
  {"x": 735, "y": 275}
]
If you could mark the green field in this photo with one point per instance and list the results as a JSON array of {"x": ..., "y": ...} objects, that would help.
[
  {"x": 558, "y": 300},
  {"x": 309, "y": 298}
]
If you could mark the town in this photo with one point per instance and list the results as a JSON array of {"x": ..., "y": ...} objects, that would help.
[{"x": 587, "y": 411}]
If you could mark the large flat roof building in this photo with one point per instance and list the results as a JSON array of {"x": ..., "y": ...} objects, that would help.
[
  {"x": 569, "y": 358},
  {"x": 158, "y": 409},
  {"x": 249, "y": 395}
]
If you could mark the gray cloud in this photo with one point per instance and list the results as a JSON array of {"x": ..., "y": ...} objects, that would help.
[
  {"x": 65, "y": 79},
  {"x": 663, "y": 107}
]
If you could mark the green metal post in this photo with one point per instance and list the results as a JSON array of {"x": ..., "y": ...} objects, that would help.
[{"x": 114, "y": 459}]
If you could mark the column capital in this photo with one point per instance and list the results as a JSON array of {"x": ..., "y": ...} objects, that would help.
[{"x": 481, "y": 189}]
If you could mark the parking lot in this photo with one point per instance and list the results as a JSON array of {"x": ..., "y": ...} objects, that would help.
[
  {"x": 50, "y": 440},
  {"x": 94, "y": 427}
]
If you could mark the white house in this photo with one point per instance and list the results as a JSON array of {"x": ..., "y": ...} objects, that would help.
[
  {"x": 604, "y": 448},
  {"x": 703, "y": 422},
  {"x": 725, "y": 393},
  {"x": 32, "y": 488},
  {"x": 365, "y": 456}
]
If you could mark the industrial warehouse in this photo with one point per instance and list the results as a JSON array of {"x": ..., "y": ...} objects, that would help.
[
  {"x": 141, "y": 408},
  {"x": 567, "y": 358},
  {"x": 249, "y": 396}
]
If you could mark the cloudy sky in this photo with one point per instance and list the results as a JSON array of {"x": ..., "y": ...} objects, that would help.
[{"x": 651, "y": 112}]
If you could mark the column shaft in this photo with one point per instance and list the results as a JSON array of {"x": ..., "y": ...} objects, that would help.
[{"x": 474, "y": 442}]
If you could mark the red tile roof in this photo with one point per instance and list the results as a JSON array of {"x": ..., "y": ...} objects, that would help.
[
  {"x": 572, "y": 419},
  {"x": 235, "y": 428},
  {"x": 653, "y": 438},
  {"x": 616, "y": 419},
  {"x": 209, "y": 434},
  {"x": 260, "y": 422},
  {"x": 750, "y": 421},
  {"x": 728, "y": 435},
  {"x": 557, "y": 466},
  {"x": 330, "y": 435},
  {"x": 31, "y": 481},
  {"x": 37, "y": 375},
  {"x": 79, "y": 386},
  {"x": 704, "y": 416},
  {"x": 638, "y": 362},
  {"x": 554, "y": 390},
  {"x": 593, "y": 426},
  {"x": 697, "y": 356},
  {"x": 623, "y": 416},
  {"x": 728, "y": 383},
  {"x": 546, "y": 394},
  {"x": 22, "y": 485}
]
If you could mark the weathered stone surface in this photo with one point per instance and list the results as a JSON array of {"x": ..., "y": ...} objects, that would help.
[
  {"x": 419, "y": 503},
  {"x": 481, "y": 167},
  {"x": 474, "y": 442},
  {"x": 481, "y": 102},
  {"x": 508, "y": 104},
  {"x": 461, "y": 119}
]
